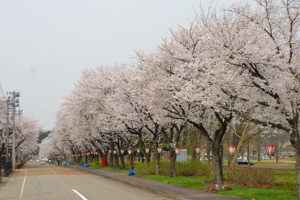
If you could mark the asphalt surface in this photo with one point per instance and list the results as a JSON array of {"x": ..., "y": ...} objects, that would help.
[{"x": 43, "y": 182}]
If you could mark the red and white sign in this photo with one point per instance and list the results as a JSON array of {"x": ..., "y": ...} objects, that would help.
[
  {"x": 159, "y": 150},
  {"x": 231, "y": 150},
  {"x": 129, "y": 151},
  {"x": 122, "y": 151},
  {"x": 109, "y": 151},
  {"x": 177, "y": 151},
  {"x": 138, "y": 151},
  {"x": 115, "y": 151},
  {"x": 147, "y": 150},
  {"x": 197, "y": 150},
  {"x": 270, "y": 149}
]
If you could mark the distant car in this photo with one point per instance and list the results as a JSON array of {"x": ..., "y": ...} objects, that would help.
[
  {"x": 37, "y": 160},
  {"x": 30, "y": 160},
  {"x": 243, "y": 162}
]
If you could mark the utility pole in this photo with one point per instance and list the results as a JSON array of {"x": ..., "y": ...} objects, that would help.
[
  {"x": 7, "y": 128},
  {"x": 14, "y": 97}
]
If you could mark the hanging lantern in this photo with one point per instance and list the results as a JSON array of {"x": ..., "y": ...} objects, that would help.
[
  {"x": 177, "y": 151},
  {"x": 138, "y": 151},
  {"x": 197, "y": 150},
  {"x": 103, "y": 151},
  {"x": 122, "y": 151},
  {"x": 270, "y": 149},
  {"x": 115, "y": 152},
  {"x": 109, "y": 151},
  {"x": 147, "y": 150},
  {"x": 231, "y": 150},
  {"x": 129, "y": 151},
  {"x": 159, "y": 150}
]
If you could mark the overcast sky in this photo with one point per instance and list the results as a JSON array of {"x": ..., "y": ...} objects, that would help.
[{"x": 44, "y": 45}]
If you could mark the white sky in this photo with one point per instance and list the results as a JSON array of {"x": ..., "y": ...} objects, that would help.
[{"x": 44, "y": 45}]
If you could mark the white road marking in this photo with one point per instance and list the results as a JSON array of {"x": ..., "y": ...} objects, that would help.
[
  {"x": 79, "y": 194},
  {"x": 22, "y": 189}
]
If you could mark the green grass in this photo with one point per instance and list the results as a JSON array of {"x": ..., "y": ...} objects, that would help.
[
  {"x": 284, "y": 188},
  {"x": 259, "y": 194},
  {"x": 196, "y": 182},
  {"x": 285, "y": 179}
]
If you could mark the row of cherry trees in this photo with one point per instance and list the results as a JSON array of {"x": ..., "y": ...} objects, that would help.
[
  {"x": 27, "y": 131},
  {"x": 240, "y": 63}
]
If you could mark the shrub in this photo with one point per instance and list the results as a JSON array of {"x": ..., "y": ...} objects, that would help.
[
  {"x": 193, "y": 168},
  {"x": 190, "y": 168},
  {"x": 252, "y": 177},
  {"x": 134, "y": 162},
  {"x": 145, "y": 169}
]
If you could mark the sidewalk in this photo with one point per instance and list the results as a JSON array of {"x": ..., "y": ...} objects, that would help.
[{"x": 162, "y": 188}]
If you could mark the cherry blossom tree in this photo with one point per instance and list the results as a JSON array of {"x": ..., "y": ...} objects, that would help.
[{"x": 27, "y": 132}]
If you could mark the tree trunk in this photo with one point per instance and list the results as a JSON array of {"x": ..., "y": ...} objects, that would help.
[
  {"x": 157, "y": 163},
  {"x": 194, "y": 155},
  {"x": 122, "y": 161},
  {"x": 240, "y": 144},
  {"x": 258, "y": 154},
  {"x": 217, "y": 164},
  {"x": 111, "y": 159},
  {"x": 106, "y": 158},
  {"x": 248, "y": 153},
  {"x": 277, "y": 154},
  {"x": 208, "y": 153},
  {"x": 172, "y": 163},
  {"x": 157, "y": 159},
  {"x": 147, "y": 156},
  {"x": 202, "y": 155},
  {"x": 221, "y": 154},
  {"x": 294, "y": 139},
  {"x": 97, "y": 158},
  {"x": 131, "y": 166},
  {"x": 116, "y": 161},
  {"x": 194, "y": 139},
  {"x": 298, "y": 171}
]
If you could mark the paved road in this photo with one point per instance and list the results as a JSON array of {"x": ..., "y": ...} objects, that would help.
[{"x": 39, "y": 182}]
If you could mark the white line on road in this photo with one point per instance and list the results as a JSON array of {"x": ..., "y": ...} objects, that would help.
[
  {"x": 79, "y": 194},
  {"x": 22, "y": 189}
]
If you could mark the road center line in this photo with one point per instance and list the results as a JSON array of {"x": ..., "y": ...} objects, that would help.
[
  {"x": 22, "y": 189},
  {"x": 81, "y": 196}
]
